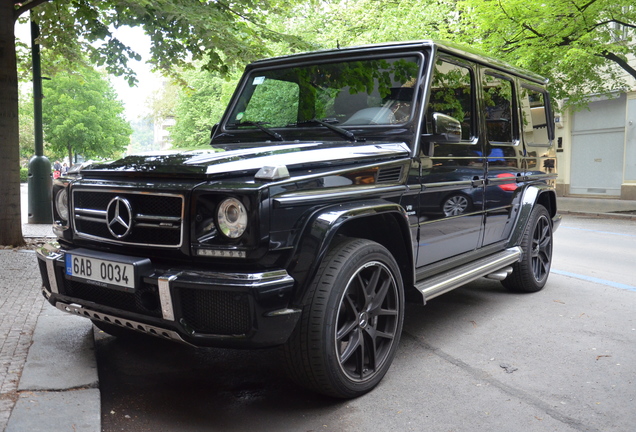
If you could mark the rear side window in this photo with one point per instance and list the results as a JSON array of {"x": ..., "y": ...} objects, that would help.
[
  {"x": 499, "y": 109},
  {"x": 534, "y": 117}
]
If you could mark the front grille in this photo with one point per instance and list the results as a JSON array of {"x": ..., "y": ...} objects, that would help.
[
  {"x": 145, "y": 299},
  {"x": 132, "y": 218},
  {"x": 215, "y": 312}
]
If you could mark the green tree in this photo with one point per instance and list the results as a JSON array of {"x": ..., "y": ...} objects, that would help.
[
  {"x": 27, "y": 135},
  {"x": 199, "y": 106},
  {"x": 582, "y": 46},
  {"x": 81, "y": 115},
  {"x": 221, "y": 34}
]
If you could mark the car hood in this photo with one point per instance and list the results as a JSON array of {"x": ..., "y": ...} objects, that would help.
[{"x": 234, "y": 160}]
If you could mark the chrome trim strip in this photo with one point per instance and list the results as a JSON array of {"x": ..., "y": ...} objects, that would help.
[
  {"x": 121, "y": 322},
  {"x": 167, "y": 310},
  {"x": 157, "y": 225},
  {"x": 447, "y": 281},
  {"x": 337, "y": 193},
  {"x": 255, "y": 280},
  {"x": 91, "y": 212},
  {"x": 50, "y": 271},
  {"x": 282, "y": 312},
  {"x": 158, "y": 218},
  {"x": 90, "y": 219}
]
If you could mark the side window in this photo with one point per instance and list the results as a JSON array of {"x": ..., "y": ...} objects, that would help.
[
  {"x": 452, "y": 94},
  {"x": 534, "y": 112},
  {"x": 499, "y": 109}
]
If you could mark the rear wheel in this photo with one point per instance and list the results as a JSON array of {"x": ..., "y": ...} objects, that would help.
[
  {"x": 531, "y": 273},
  {"x": 350, "y": 327}
]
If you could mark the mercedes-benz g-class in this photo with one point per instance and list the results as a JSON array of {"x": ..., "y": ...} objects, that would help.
[{"x": 336, "y": 183}]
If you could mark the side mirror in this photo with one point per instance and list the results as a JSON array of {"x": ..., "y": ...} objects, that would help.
[{"x": 446, "y": 128}]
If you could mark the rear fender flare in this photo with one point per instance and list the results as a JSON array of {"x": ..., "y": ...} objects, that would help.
[{"x": 531, "y": 196}]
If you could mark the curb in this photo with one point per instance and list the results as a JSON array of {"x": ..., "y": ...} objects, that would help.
[{"x": 598, "y": 215}]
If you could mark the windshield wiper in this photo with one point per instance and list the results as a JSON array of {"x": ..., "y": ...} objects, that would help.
[
  {"x": 260, "y": 126},
  {"x": 340, "y": 131}
]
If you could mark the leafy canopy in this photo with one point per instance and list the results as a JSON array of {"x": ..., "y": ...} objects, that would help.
[{"x": 81, "y": 115}]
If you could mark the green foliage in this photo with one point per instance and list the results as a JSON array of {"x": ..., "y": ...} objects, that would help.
[
  {"x": 27, "y": 137},
  {"x": 221, "y": 36},
  {"x": 582, "y": 46},
  {"x": 199, "y": 106},
  {"x": 24, "y": 175},
  {"x": 82, "y": 115}
]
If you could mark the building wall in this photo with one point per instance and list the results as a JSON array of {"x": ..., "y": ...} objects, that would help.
[{"x": 597, "y": 146}]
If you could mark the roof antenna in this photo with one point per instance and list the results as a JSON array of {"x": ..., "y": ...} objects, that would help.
[{"x": 337, "y": 44}]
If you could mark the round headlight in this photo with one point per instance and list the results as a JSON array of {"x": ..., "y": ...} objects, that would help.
[
  {"x": 61, "y": 204},
  {"x": 232, "y": 218}
]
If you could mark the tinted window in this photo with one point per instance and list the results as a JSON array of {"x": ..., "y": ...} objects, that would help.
[
  {"x": 498, "y": 106},
  {"x": 534, "y": 117}
]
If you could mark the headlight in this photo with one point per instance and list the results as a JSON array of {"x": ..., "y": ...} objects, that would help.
[
  {"x": 61, "y": 203},
  {"x": 232, "y": 218}
]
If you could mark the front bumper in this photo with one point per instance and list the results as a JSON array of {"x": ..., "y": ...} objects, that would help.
[{"x": 195, "y": 306}]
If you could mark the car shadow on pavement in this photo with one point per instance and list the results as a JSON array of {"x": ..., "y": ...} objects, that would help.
[{"x": 151, "y": 384}]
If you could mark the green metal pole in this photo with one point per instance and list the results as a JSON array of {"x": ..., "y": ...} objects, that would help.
[{"x": 40, "y": 176}]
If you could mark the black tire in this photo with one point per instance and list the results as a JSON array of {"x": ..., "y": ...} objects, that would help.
[
  {"x": 531, "y": 273},
  {"x": 350, "y": 326}
]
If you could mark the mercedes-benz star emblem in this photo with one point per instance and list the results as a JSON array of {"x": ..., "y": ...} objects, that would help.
[{"x": 119, "y": 217}]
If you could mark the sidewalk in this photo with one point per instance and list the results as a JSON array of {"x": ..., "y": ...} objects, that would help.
[
  {"x": 48, "y": 373},
  {"x": 600, "y": 207}
]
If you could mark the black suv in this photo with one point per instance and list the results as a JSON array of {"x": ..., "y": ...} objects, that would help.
[{"x": 336, "y": 183}]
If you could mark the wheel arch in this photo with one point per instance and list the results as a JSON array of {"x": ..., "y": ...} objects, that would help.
[
  {"x": 531, "y": 196},
  {"x": 381, "y": 221}
]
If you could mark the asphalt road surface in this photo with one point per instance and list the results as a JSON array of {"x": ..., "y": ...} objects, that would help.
[{"x": 476, "y": 359}]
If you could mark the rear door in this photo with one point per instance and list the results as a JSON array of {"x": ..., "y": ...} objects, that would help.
[{"x": 503, "y": 153}]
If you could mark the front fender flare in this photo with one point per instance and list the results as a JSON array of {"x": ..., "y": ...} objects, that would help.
[{"x": 323, "y": 226}]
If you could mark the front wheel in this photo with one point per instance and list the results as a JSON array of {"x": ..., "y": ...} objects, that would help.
[
  {"x": 531, "y": 273},
  {"x": 350, "y": 327}
]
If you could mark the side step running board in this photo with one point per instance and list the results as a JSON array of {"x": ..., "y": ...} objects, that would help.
[{"x": 447, "y": 281}]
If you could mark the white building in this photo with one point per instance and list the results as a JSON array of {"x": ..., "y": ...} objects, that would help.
[{"x": 597, "y": 147}]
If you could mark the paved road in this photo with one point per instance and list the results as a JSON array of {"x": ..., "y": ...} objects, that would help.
[{"x": 478, "y": 358}]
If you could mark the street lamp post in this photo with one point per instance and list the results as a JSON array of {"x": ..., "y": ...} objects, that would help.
[{"x": 40, "y": 177}]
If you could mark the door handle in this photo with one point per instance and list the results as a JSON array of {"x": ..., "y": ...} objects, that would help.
[{"x": 477, "y": 181}]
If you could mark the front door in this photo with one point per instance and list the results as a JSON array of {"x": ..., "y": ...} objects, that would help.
[{"x": 452, "y": 175}]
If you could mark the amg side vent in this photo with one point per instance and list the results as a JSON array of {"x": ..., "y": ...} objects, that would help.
[
  {"x": 390, "y": 175},
  {"x": 129, "y": 218}
]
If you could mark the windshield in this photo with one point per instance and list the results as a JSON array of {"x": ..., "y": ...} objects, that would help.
[{"x": 377, "y": 91}]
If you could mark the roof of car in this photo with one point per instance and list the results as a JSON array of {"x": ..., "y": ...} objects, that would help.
[{"x": 442, "y": 46}]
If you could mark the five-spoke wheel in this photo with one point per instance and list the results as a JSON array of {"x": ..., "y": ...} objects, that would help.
[
  {"x": 531, "y": 273},
  {"x": 350, "y": 327}
]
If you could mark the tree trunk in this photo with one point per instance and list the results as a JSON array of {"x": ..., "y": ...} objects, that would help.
[
  {"x": 10, "y": 214},
  {"x": 70, "y": 155}
]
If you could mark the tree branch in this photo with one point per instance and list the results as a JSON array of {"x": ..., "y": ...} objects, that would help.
[
  {"x": 618, "y": 60},
  {"x": 26, "y": 6}
]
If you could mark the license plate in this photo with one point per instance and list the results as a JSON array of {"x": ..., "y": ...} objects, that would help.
[{"x": 100, "y": 272}]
